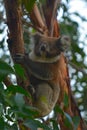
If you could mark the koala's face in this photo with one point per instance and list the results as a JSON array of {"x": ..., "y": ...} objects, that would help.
[{"x": 46, "y": 49}]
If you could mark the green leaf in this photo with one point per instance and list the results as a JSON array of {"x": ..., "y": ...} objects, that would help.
[
  {"x": 45, "y": 127},
  {"x": 19, "y": 99},
  {"x": 28, "y": 4},
  {"x": 14, "y": 127},
  {"x": 17, "y": 89},
  {"x": 30, "y": 111},
  {"x": 57, "y": 109},
  {"x": 10, "y": 127},
  {"x": 19, "y": 71},
  {"x": 66, "y": 100},
  {"x": 2, "y": 124},
  {"x": 34, "y": 124},
  {"x": 1, "y": 109},
  {"x": 5, "y": 69},
  {"x": 76, "y": 121},
  {"x": 55, "y": 124},
  {"x": 1, "y": 87},
  {"x": 9, "y": 117},
  {"x": 2, "y": 94},
  {"x": 68, "y": 121}
]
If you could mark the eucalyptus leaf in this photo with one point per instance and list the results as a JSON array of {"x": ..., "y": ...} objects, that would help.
[
  {"x": 58, "y": 109},
  {"x": 5, "y": 69},
  {"x": 19, "y": 70},
  {"x": 28, "y": 4},
  {"x": 66, "y": 100},
  {"x": 19, "y": 99},
  {"x": 34, "y": 124},
  {"x": 76, "y": 121},
  {"x": 17, "y": 89},
  {"x": 55, "y": 124},
  {"x": 68, "y": 121},
  {"x": 2, "y": 124}
]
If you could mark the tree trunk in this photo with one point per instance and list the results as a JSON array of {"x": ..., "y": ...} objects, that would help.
[{"x": 50, "y": 27}]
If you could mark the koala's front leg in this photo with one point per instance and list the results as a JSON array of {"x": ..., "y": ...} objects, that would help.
[
  {"x": 42, "y": 99},
  {"x": 45, "y": 97}
]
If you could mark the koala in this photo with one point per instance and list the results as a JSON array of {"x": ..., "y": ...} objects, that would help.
[{"x": 41, "y": 64}]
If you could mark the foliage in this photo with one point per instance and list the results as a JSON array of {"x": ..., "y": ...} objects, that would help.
[
  {"x": 28, "y": 4},
  {"x": 13, "y": 107},
  {"x": 12, "y": 103}
]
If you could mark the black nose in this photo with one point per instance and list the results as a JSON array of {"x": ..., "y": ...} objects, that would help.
[{"x": 43, "y": 47}]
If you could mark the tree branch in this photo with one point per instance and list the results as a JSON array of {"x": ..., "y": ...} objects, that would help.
[
  {"x": 77, "y": 68},
  {"x": 15, "y": 36},
  {"x": 13, "y": 13},
  {"x": 50, "y": 9},
  {"x": 57, "y": 2},
  {"x": 37, "y": 19}
]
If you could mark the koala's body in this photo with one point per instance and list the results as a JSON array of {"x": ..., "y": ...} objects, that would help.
[{"x": 41, "y": 64}]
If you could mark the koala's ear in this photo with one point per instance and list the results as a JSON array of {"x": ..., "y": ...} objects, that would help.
[
  {"x": 65, "y": 42},
  {"x": 36, "y": 37}
]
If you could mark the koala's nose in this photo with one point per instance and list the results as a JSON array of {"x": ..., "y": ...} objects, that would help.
[{"x": 43, "y": 47}]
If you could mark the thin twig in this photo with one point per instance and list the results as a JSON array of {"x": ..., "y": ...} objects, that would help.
[{"x": 77, "y": 68}]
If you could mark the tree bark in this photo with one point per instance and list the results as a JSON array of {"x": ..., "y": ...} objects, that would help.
[
  {"x": 15, "y": 33},
  {"x": 51, "y": 28},
  {"x": 15, "y": 39},
  {"x": 13, "y": 13}
]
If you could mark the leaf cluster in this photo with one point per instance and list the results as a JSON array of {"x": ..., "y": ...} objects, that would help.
[{"x": 13, "y": 107}]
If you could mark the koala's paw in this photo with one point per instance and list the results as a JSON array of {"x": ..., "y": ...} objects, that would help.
[{"x": 18, "y": 58}]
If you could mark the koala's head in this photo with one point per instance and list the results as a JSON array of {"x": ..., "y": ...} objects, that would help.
[{"x": 47, "y": 49}]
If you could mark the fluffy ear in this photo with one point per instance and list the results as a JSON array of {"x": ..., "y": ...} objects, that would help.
[
  {"x": 36, "y": 37},
  {"x": 65, "y": 42}
]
